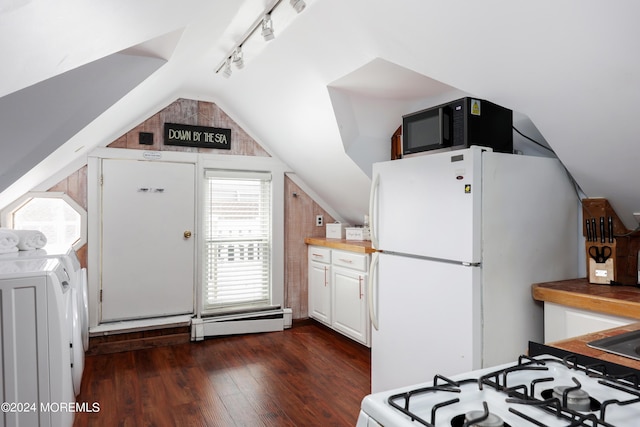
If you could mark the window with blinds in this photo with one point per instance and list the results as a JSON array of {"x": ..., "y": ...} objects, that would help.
[{"x": 238, "y": 241}]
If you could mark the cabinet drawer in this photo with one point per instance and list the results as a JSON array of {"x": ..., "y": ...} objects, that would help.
[
  {"x": 351, "y": 260},
  {"x": 319, "y": 254}
]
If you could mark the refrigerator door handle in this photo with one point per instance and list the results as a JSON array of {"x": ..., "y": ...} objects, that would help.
[
  {"x": 373, "y": 315},
  {"x": 373, "y": 200}
]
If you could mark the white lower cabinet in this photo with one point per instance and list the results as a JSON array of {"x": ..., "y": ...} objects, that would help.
[
  {"x": 338, "y": 291},
  {"x": 320, "y": 284},
  {"x": 349, "y": 304},
  {"x": 562, "y": 322}
]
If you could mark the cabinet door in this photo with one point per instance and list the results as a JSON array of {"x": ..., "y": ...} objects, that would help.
[
  {"x": 562, "y": 322},
  {"x": 320, "y": 291},
  {"x": 350, "y": 315}
]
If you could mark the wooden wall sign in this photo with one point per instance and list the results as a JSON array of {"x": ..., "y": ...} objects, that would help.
[{"x": 197, "y": 136}]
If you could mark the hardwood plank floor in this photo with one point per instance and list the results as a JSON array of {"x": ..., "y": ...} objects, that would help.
[{"x": 304, "y": 376}]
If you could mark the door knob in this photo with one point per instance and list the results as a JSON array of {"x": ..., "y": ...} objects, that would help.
[{"x": 187, "y": 234}]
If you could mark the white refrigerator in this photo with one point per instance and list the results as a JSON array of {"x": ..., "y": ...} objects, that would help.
[{"x": 462, "y": 235}]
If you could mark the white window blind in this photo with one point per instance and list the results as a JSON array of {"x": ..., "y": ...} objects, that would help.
[{"x": 238, "y": 240}]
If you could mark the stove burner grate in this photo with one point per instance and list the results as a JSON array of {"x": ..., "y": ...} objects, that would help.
[
  {"x": 482, "y": 418},
  {"x": 569, "y": 403},
  {"x": 572, "y": 397}
]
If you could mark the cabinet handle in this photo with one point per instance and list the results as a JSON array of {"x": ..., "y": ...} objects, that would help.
[
  {"x": 360, "y": 285},
  {"x": 347, "y": 261},
  {"x": 318, "y": 255},
  {"x": 325, "y": 277}
]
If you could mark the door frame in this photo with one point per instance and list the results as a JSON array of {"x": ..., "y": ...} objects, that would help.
[
  {"x": 94, "y": 204},
  {"x": 202, "y": 162},
  {"x": 143, "y": 278}
]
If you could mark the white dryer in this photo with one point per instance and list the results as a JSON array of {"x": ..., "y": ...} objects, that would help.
[
  {"x": 35, "y": 295},
  {"x": 78, "y": 281}
]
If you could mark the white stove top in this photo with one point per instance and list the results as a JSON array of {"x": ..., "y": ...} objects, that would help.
[{"x": 472, "y": 399}]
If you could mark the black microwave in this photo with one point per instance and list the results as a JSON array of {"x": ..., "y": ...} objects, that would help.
[{"x": 458, "y": 124}]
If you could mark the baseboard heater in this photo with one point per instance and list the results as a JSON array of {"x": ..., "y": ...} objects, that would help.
[{"x": 242, "y": 323}]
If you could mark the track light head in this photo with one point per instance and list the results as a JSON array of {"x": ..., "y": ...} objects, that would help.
[
  {"x": 227, "y": 69},
  {"x": 267, "y": 28},
  {"x": 237, "y": 58},
  {"x": 298, "y": 5}
]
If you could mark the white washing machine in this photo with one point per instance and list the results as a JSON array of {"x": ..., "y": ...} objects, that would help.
[
  {"x": 78, "y": 281},
  {"x": 36, "y": 342}
]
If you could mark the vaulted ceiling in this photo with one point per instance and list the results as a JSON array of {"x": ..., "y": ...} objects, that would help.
[{"x": 328, "y": 92}]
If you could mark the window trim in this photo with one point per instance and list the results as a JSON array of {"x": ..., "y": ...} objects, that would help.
[
  {"x": 7, "y": 212},
  {"x": 244, "y": 164},
  {"x": 265, "y": 178}
]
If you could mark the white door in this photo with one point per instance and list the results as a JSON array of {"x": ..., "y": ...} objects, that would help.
[{"x": 148, "y": 251}]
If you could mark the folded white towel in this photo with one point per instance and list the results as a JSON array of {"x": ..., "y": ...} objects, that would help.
[
  {"x": 30, "y": 239},
  {"x": 8, "y": 241},
  {"x": 17, "y": 254},
  {"x": 30, "y": 254}
]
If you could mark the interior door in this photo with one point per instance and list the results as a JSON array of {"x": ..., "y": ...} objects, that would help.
[{"x": 148, "y": 252}]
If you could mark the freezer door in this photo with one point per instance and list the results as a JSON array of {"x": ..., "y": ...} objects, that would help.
[
  {"x": 429, "y": 205},
  {"x": 429, "y": 321}
]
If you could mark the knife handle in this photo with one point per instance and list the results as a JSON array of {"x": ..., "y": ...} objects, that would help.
[
  {"x": 588, "y": 224},
  {"x": 594, "y": 230},
  {"x": 610, "y": 230},
  {"x": 602, "y": 239}
]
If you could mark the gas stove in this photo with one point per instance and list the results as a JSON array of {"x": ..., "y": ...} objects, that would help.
[{"x": 549, "y": 387}]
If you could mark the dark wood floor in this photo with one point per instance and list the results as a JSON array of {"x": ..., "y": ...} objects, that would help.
[{"x": 304, "y": 376}]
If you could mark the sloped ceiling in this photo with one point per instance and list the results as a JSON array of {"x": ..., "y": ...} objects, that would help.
[
  {"x": 369, "y": 101},
  {"x": 35, "y": 121},
  {"x": 327, "y": 93}
]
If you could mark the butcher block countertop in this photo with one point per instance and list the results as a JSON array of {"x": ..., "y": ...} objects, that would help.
[
  {"x": 579, "y": 345},
  {"x": 621, "y": 301},
  {"x": 345, "y": 245}
]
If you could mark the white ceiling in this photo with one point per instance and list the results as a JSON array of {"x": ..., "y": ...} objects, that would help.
[{"x": 328, "y": 92}]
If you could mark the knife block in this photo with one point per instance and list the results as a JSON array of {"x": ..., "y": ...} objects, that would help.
[{"x": 601, "y": 273}]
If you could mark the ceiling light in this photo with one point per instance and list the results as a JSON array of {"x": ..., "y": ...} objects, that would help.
[
  {"x": 227, "y": 69},
  {"x": 267, "y": 28},
  {"x": 264, "y": 23},
  {"x": 237, "y": 58},
  {"x": 298, "y": 5}
]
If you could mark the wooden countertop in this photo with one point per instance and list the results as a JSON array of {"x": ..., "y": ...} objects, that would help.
[
  {"x": 621, "y": 301},
  {"x": 363, "y": 246},
  {"x": 579, "y": 345}
]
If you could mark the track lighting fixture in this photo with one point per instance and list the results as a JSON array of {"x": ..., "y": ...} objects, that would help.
[
  {"x": 267, "y": 28},
  {"x": 237, "y": 58},
  {"x": 298, "y": 5},
  {"x": 265, "y": 24}
]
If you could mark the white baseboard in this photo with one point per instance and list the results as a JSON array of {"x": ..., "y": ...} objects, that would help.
[
  {"x": 270, "y": 321},
  {"x": 139, "y": 325},
  {"x": 288, "y": 318}
]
